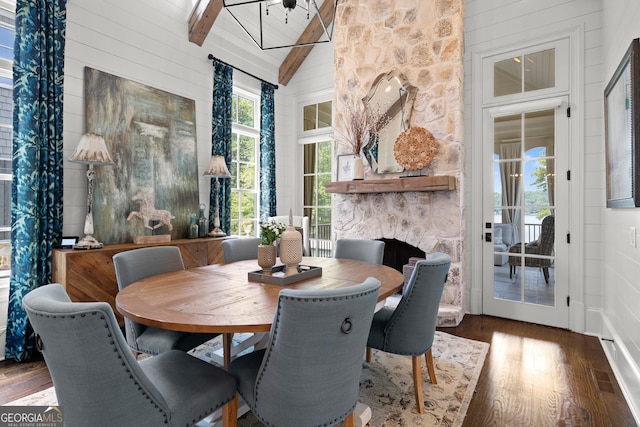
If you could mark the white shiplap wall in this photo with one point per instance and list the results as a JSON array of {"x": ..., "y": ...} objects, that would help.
[
  {"x": 605, "y": 292},
  {"x": 621, "y": 261},
  {"x": 312, "y": 83},
  {"x": 497, "y": 25},
  {"x": 147, "y": 41}
]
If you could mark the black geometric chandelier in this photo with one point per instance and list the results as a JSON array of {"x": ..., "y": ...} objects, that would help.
[{"x": 275, "y": 24}]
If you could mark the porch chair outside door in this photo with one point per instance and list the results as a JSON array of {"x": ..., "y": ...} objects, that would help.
[{"x": 542, "y": 246}]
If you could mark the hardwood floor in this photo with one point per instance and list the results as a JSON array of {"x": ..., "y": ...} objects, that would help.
[
  {"x": 540, "y": 376},
  {"x": 533, "y": 376},
  {"x": 22, "y": 379}
]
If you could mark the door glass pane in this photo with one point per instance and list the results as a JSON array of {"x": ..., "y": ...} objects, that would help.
[
  {"x": 324, "y": 114},
  {"x": 324, "y": 157},
  {"x": 247, "y": 176},
  {"x": 539, "y": 70},
  {"x": 248, "y": 205},
  {"x": 309, "y": 112},
  {"x": 309, "y": 160},
  {"x": 324, "y": 198},
  {"x": 524, "y": 224},
  {"x": 309, "y": 193},
  {"x": 247, "y": 149},
  {"x": 235, "y": 203},
  {"x": 317, "y": 202},
  {"x": 536, "y": 70},
  {"x": 245, "y": 111},
  {"x": 507, "y": 76}
]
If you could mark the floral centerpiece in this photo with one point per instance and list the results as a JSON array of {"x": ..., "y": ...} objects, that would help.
[{"x": 270, "y": 231}]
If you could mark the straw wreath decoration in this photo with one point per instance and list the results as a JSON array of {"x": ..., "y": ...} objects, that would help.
[{"x": 415, "y": 148}]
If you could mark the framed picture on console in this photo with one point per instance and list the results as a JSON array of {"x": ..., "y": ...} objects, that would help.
[
  {"x": 622, "y": 122},
  {"x": 346, "y": 165}
]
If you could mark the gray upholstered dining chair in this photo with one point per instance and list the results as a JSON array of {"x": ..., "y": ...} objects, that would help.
[
  {"x": 309, "y": 373},
  {"x": 360, "y": 249},
  {"x": 137, "y": 264},
  {"x": 409, "y": 329},
  {"x": 99, "y": 382},
  {"x": 240, "y": 249}
]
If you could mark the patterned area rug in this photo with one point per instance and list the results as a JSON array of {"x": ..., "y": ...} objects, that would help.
[{"x": 387, "y": 387}]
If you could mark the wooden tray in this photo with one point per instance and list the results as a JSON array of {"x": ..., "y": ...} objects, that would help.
[{"x": 277, "y": 276}]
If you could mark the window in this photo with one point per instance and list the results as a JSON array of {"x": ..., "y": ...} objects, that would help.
[
  {"x": 7, "y": 34},
  {"x": 317, "y": 116},
  {"x": 317, "y": 202},
  {"x": 318, "y": 155},
  {"x": 244, "y": 167}
]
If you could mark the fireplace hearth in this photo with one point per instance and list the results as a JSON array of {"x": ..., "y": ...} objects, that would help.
[{"x": 397, "y": 253}]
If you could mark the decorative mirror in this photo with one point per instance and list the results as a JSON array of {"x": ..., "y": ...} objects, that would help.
[{"x": 390, "y": 101}]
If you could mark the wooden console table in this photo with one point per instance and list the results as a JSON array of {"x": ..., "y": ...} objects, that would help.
[{"x": 89, "y": 275}]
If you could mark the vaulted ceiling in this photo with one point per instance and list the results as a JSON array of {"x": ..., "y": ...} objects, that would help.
[{"x": 206, "y": 12}]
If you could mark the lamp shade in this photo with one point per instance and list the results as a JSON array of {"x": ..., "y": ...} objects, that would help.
[
  {"x": 91, "y": 149},
  {"x": 217, "y": 168}
]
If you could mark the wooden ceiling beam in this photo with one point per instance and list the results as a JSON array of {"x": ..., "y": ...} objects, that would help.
[
  {"x": 311, "y": 34},
  {"x": 202, "y": 18}
]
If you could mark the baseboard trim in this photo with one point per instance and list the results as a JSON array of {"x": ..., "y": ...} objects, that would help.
[{"x": 626, "y": 372}]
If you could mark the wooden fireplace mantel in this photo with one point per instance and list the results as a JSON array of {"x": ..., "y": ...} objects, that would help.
[{"x": 394, "y": 185}]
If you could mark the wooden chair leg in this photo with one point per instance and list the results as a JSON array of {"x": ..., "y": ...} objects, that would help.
[
  {"x": 416, "y": 361},
  {"x": 350, "y": 421},
  {"x": 368, "y": 357},
  {"x": 227, "y": 340},
  {"x": 230, "y": 413},
  {"x": 428, "y": 356}
]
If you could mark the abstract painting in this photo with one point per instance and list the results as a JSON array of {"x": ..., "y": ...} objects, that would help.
[{"x": 151, "y": 135}]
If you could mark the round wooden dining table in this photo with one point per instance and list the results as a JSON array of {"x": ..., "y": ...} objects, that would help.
[{"x": 220, "y": 298}]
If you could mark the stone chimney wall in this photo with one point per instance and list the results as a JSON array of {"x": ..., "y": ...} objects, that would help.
[{"x": 424, "y": 41}]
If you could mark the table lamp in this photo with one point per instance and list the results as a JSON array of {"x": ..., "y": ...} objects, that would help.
[
  {"x": 91, "y": 150},
  {"x": 217, "y": 169}
]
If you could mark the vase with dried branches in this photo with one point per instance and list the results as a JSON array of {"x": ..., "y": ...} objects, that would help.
[{"x": 355, "y": 127}]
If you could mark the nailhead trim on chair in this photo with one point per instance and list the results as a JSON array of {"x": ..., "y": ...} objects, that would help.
[
  {"x": 115, "y": 349},
  {"x": 275, "y": 330}
]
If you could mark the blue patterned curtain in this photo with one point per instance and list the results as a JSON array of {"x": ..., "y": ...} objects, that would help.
[
  {"x": 36, "y": 193},
  {"x": 267, "y": 153},
  {"x": 221, "y": 139}
]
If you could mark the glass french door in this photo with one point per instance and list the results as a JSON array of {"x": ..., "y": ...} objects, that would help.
[{"x": 525, "y": 211}]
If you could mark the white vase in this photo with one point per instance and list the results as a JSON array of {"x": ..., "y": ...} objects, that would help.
[
  {"x": 291, "y": 248},
  {"x": 358, "y": 169}
]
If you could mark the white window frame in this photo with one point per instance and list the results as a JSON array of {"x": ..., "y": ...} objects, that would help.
[
  {"x": 252, "y": 132},
  {"x": 315, "y": 136}
]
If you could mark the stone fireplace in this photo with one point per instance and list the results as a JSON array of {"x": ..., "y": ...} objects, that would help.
[{"x": 423, "y": 41}]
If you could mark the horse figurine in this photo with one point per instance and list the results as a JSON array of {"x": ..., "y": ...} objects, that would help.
[{"x": 149, "y": 213}]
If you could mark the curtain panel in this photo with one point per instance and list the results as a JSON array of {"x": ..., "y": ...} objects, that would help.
[
  {"x": 267, "y": 153},
  {"x": 510, "y": 177},
  {"x": 36, "y": 191},
  {"x": 221, "y": 139}
]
